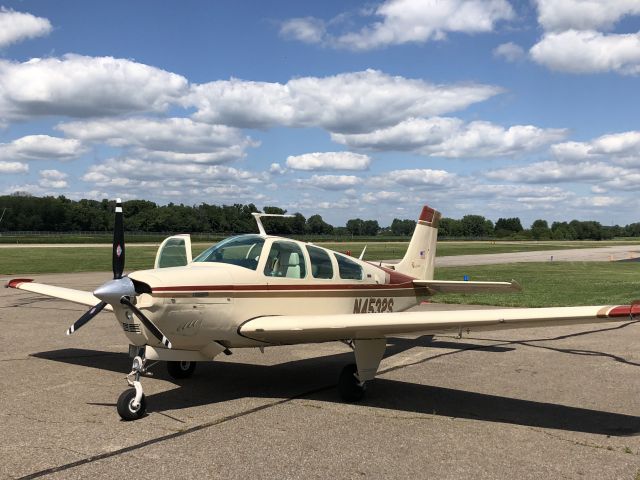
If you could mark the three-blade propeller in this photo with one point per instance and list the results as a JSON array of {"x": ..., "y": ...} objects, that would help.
[{"x": 119, "y": 290}]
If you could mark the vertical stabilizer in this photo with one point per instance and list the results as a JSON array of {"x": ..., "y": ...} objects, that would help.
[{"x": 419, "y": 261}]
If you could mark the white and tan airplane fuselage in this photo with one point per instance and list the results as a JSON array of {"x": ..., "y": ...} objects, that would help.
[{"x": 205, "y": 302}]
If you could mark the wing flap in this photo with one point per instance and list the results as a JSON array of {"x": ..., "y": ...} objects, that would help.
[
  {"x": 322, "y": 328},
  {"x": 453, "y": 286},
  {"x": 76, "y": 296}
]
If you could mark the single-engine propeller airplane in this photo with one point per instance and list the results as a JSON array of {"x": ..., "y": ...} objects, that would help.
[{"x": 258, "y": 290}]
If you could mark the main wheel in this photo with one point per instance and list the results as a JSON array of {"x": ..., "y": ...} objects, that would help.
[
  {"x": 350, "y": 388},
  {"x": 180, "y": 370},
  {"x": 125, "y": 408}
]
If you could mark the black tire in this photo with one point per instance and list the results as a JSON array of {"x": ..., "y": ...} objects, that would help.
[
  {"x": 179, "y": 370},
  {"x": 348, "y": 385},
  {"x": 125, "y": 410}
]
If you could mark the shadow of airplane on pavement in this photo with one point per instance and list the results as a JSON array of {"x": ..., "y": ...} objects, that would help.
[{"x": 315, "y": 379}]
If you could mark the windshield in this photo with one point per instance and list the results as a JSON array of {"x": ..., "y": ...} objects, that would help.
[{"x": 243, "y": 250}]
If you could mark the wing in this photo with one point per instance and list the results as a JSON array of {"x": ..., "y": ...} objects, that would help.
[
  {"x": 76, "y": 296},
  {"x": 452, "y": 286},
  {"x": 322, "y": 328}
]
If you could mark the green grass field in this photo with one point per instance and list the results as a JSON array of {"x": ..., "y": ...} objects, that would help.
[{"x": 550, "y": 284}]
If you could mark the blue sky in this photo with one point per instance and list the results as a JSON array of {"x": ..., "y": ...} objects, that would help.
[{"x": 347, "y": 109}]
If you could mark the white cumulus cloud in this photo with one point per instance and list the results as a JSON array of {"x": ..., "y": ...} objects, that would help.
[
  {"x": 451, "y": 137},
  {"x": 589, "y": 51},
  {"x": 18, "y": 26},
  {"x": 410, "y": 21},
  {"x": 557, "y": 172},
  {"x": 576, "y": 38},
  {"x": 127, "y": 170},
  {"x": 622, "y": 148},
  {"x": 80, "y": 86},
  {"x": 41, "y": 147},
  {"x": 558, "y": 15},
  {"x": 333, "y": 182},
  {"x": 277, "y": 169},
  {"x": 211, "y": 183},
  {"x": 170, "y": 139},
  {"x": 329, "y": 161},
  {"x": 509, "y": 51},
  {"x": 53, "y": 179},
  {"x": 345, "y": 103},
  {"x": 13, "y": 167},
  {"x": 419, "y": 177},
  {"x": 307, "y": 29}
]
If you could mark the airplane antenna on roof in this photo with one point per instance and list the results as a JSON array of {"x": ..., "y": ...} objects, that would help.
[{"x": 258, "y": 216}]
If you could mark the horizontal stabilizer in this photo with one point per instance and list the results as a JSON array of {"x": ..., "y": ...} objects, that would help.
[
  {"x": 455, "y": 286},
  {"x": 77, "y": 296}
]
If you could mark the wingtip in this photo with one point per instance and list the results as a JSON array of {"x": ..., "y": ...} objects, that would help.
[{"x": 16, "y": 282}]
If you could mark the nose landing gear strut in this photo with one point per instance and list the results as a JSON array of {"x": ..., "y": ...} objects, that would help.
[{"x": 131, "y": 403}]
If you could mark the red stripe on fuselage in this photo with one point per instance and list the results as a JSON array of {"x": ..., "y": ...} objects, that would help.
[
  {"x": 214, "y": 288},
  {"x": 396, "y": 278}
]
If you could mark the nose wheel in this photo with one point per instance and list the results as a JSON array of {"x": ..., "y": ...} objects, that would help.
[
  {"x": 128, "y": 408},
  {"x": 131, "y": 403}
]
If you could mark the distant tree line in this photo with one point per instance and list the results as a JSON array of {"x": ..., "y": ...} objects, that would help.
[
  {"x": 476, "y": 226},
  {"x": 24, "y": 212}
]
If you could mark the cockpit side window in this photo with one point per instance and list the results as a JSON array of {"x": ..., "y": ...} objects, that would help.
[
  {"x": 285, "y": 259},
  {"x": 243, "y": 251},
  {"x": 349, "y": 270},
  {"x": 321, "y": 266}
]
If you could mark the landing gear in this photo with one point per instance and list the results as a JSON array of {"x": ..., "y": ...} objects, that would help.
[
  {"x": 126, "y": 408},
  {"x": 368, "y": 353},
  {"x": 131, "y": 403},
  {"x": 179, "y": 370},
  {"x": 349, "y": 385}
]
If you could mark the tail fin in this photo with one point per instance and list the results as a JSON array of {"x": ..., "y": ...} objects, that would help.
[{"x": 419, "y": 261}]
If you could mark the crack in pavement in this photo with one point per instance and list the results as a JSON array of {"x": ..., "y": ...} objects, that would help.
[
  {"x": 580, "y": 443},
  {"x": 572, "y": 351},
  {"x": 171, "y": 436}
]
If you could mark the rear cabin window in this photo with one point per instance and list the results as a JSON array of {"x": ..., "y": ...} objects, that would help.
[
  {"x": 285, "y": 259},
  {"x": 321, "y": 266},
  {"x": 349, "y": 270}
]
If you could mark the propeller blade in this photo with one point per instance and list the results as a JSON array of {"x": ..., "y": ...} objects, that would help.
[
  {"x": 86, "y": 317},
  {"x": 147, "y": 323},
  {"x": 118, "y": 242}
]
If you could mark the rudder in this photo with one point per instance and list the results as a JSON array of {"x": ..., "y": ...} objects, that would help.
[{"x": 419, "y": 260}]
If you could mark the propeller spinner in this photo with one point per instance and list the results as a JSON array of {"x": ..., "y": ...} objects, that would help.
[{"x": 120, "y": 290}]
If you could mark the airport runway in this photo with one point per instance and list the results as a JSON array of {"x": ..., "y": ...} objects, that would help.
[
  {"x": 600, "y": 254},
  {"x": 540, "y": 403}
]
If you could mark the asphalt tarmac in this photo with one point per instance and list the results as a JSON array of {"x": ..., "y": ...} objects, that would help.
[
  {"x": 600, "y": 254},
  {"x": 540, "y": 403}
]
